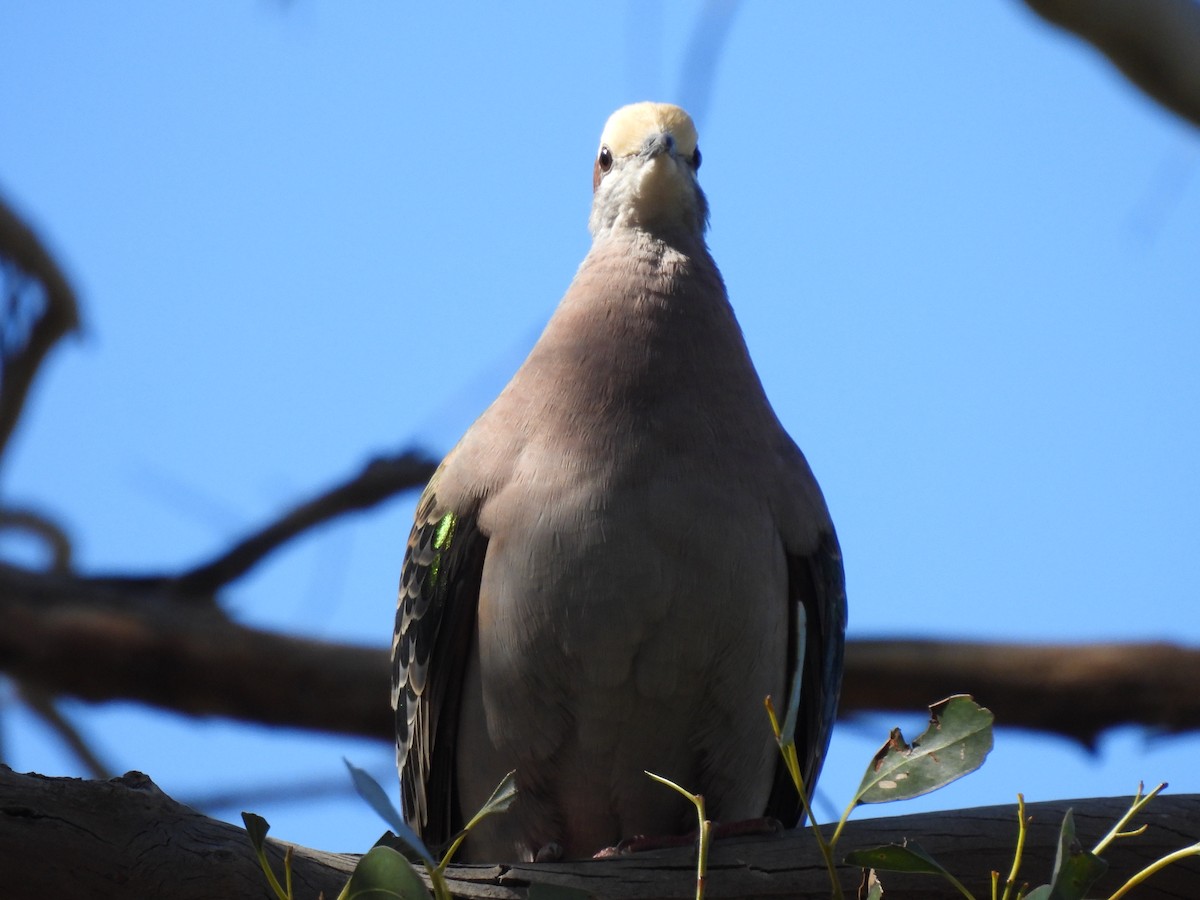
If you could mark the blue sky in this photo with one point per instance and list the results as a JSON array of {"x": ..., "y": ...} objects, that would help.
[{"x": 962, "y": 248}]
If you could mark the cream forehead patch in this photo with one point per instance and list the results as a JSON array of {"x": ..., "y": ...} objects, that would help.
[{"x": 628, "y": 128}]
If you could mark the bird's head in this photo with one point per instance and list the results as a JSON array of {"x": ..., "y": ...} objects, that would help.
[{"x": 645, "y": 173}]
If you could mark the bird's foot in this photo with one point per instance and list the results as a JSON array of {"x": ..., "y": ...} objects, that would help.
[
  {"x": 551, "y": 852},
  {"x": 643, "y": 842}
]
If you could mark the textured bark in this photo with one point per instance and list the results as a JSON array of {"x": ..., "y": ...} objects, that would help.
[
  {"x": 61, "y": 837},
  {"x": 124, "y": 838}
]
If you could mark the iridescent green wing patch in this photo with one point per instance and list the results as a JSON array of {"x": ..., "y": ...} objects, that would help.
[{"x": 435, "y": 614}]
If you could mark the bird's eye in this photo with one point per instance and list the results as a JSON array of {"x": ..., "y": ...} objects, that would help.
[
  {"x": 696, "y": 159},
  {"x": 604, "y": 160}
]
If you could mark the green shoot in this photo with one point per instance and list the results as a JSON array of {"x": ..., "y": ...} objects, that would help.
[
  {"x": 1139, "y": 803},
  {"x": 704, "y": 830},
  {"x": 256, "y": 829},
  {"x": 1193, "y": 850},
  {"x": 787, "y": 747},
  {"x": 1022, "y": 830}
]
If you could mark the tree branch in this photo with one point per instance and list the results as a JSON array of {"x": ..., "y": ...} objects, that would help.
[
  {"x": 1073, "y": 690},
  {"x": 21, "y": 247},
  {"x": 100, "y": 640},
  {"x": 105, "y": 640},
  {"x": 125, "y": 838},
  {"x": 1155, "y": 43},
  {"x": 382, "y": 478}
]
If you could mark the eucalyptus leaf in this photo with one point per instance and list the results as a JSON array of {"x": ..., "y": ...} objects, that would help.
[
  {"x": 957, "y": 741},
  {"x": 896, "y": 858},
  {"x": 256, "y": 828},
  {"x": 376, "y": 797},
  {"x": 1075, "y": 869},
  {"x": 501, "y": 799},
  {"x": 383, "y": 873}
]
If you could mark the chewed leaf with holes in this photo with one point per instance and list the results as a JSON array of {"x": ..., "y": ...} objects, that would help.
[{"x": 957, "y": 741}]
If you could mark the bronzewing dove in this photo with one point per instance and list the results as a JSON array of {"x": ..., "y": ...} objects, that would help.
[{"x": 606, "y": 573}]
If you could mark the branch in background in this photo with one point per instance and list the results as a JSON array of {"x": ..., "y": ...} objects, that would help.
[
  {"x": 381, "y": 479},
  {"x": 27, "y": 258},
  {"x": 101, "y": 641},
  {"x": 98, "y": 640},
  {"x": 1155, "y": 43},
  {"x": 46, "y": 708},
  {"x": 58, "y": 545},
  {"x": 126, "y": 838},
  {"x": 1073, "y": 690}
]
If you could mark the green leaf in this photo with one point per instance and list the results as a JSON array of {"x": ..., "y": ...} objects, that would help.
[
  {"x": 1075, "y": 869},
  {"x": 368, "y": 788},
  {"x": 957, "y": 741},
  {"x": 896, "y": 858},
  {"x": 384, "y": 873},
  {"x": 906, "y": 857},
  {"x": 501, "y": 799},
  {"x": 256, "y": 828}
]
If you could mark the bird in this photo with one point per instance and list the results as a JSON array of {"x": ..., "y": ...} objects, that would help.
[{"x": 606, "y": 574}]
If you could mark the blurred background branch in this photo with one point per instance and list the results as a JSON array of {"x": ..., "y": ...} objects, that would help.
[
  {"x": 1154, "y": 43},
  {"x": 39, "y": 309},
  {"x": 115, "y": 639}
]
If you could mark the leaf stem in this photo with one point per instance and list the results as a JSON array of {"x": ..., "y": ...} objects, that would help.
[
  {"x": 1139, "y": 803},
  {"x": 1193, "y": 850},
  {"x": 1022, "y": 827}
]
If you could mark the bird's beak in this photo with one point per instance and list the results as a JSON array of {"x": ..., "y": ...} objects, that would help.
[{"x": 658, "y": 144}]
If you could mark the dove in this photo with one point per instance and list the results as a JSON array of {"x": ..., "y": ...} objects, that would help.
[{"x": 621, "y": 557}]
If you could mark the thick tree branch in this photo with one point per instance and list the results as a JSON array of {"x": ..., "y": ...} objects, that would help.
[
  {"x": 1074, "y": 690},
  {"x": 105, "y": 640},
  {"x": 126, "y": 839},
  {"x": 101, "y": 640},
  {"x": 1155, "y": 43}
]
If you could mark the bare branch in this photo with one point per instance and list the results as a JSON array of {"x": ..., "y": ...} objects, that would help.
[
  {"x": 60, "y": 316},
  {"x": 106, "y": 640},
  {"x": 380, "y": 479},
  {"x": 51, "y": 534},
  {"x": 43, "y": 705},
  {"x": 101, "y": 640},
  {"x": 1074, "y": 690},
  {"x": 125, "y": 838},
  {"x": 1155, "y": 43}
]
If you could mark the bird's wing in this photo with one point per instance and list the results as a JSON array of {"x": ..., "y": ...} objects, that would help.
[
  {"x": 435, "y": 617},
  {"x": 817, "y": 585}
]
